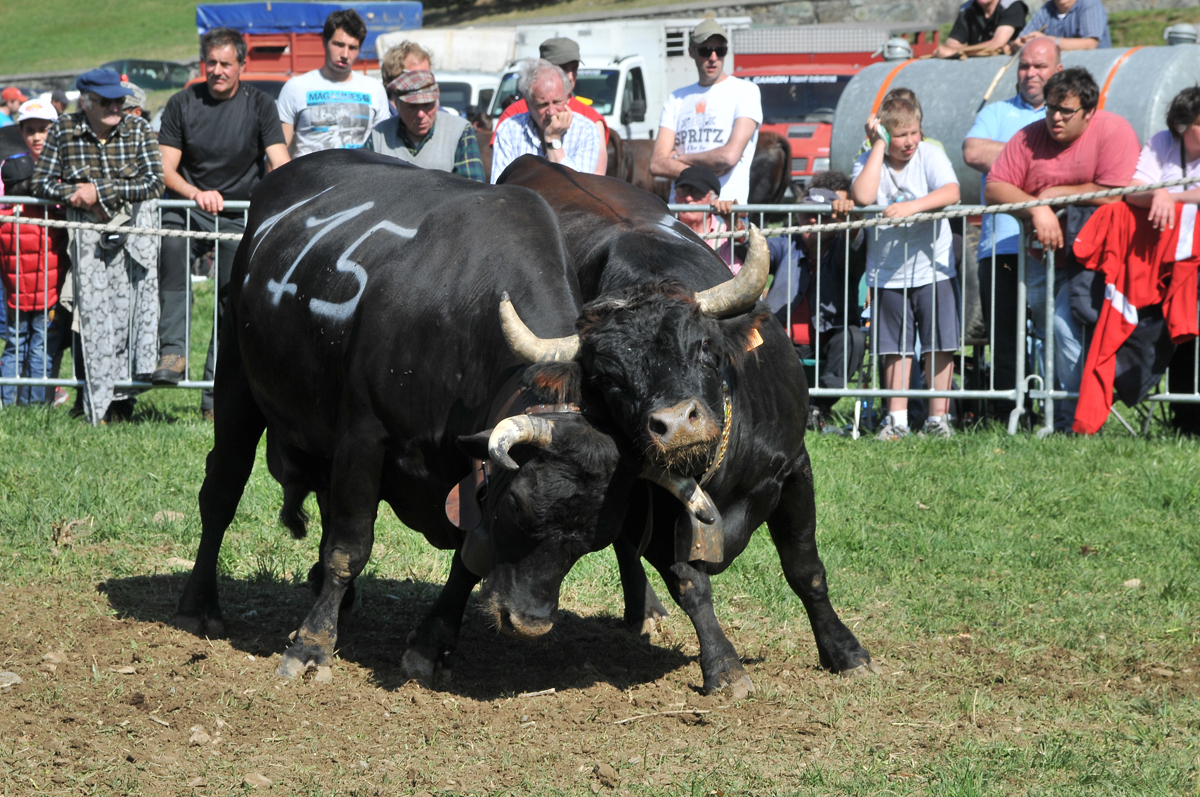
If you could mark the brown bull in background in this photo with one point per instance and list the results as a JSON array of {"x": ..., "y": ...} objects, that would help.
[{"x": 770, "y": 171}]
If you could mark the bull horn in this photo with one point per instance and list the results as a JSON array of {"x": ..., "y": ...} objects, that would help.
[
  {"x": 528, "y": 346},
  {"x": 697, "y": 502},
  {"x": 740, "y": 293},
  {"x": 518, "y": 429}
]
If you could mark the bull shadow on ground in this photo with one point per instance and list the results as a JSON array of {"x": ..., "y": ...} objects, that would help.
[{"x": 260, "y": 614}]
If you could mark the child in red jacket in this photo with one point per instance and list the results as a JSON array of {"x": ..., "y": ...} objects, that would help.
[{"x": 33, "y": 264}]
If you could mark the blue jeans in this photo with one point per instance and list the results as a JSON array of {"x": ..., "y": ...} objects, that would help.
[
  {"x": 1069, "y": 356},
  {"x": 31, "y": 341}
]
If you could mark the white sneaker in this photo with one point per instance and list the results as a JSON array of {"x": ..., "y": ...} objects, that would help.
[{"x": 938, "y": 427}]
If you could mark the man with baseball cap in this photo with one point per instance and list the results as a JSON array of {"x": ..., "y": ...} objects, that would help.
[
  {"x": 107, "y": 165},
  {"x": 419, "y": 134},
  {"x": 697, "y": 185},
  {"x": 135, "y": 101},
  {"x": 814, "y": 282},
  {"x": 10, "y": 102},
  {"x": 564, "y": 53},
  {"x": 713, "y": 122}
]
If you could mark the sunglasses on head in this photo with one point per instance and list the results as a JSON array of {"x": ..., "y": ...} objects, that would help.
[{"x": 706, "y": 52}]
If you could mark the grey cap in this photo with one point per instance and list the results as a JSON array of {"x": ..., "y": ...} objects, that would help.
[
  {"x": 559, "y": 51},
  {"x": 706, "y": 30},
  {"x": 135, "y": 100},
  {"x": 60, "y": 96}
]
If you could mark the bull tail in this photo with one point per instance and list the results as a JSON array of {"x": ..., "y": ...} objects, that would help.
[{"x": 292, "y": 514}]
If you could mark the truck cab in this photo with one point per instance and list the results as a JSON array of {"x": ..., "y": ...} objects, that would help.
[
  {"x": 467, "y": 93},
  {"x": 798, "y": 103}
]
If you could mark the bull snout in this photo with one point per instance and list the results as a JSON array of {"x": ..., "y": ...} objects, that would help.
[
  {"x": 684, "y": 424},
  {"x": 520, "y": 606}
]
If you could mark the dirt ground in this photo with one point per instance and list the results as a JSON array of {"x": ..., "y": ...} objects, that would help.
[{"x": 115, "y": 700}]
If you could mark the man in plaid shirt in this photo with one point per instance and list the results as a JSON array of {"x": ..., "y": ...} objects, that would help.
[
  {"x": 100, "y": 162},
  {"x": 98, "y": 159},
  {"x": 422, "y": 135}
]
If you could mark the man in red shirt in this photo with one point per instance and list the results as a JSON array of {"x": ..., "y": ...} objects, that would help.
[
  {"x": 563, "y": 53},
  {"x": 1077, "y": 149}
]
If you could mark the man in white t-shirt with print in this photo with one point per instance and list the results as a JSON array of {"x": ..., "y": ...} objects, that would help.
[
  {"x": 713, "y": 122},
  {"x": 333, "y": 107}
]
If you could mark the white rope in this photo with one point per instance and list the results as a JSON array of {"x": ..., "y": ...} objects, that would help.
[
  {"x": 88, "y": 225},
  {"x": 976, "y": 210}
]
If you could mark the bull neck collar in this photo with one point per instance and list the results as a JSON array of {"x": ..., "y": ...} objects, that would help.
[{"x": 719, "y": 455}]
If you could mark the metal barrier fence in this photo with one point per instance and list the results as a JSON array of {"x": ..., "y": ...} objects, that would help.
[
  {"x": 976, "y": 350},
  {"x": 50, "y": 360}
]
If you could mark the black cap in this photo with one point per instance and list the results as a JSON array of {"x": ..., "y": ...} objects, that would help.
[
  {"x": 60, "y": 96},
  {"x": 699, "y": 177},
  {"x": 15, "y": 169}
]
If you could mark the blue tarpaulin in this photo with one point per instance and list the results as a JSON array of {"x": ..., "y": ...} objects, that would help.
[{"x": 272, "y": 17}]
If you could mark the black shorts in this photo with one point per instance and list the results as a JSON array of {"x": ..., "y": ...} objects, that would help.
[{"x": 893, "y": 311}]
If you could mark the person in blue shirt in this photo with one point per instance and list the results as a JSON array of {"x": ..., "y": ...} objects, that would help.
[
  {"x": 1071, "y": 24},
  {"x": 999, "y": 237}
]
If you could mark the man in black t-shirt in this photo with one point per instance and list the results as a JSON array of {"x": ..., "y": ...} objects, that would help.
[
  {"x": 217, "y": 140},
  {"x": 992, "y": 24}
]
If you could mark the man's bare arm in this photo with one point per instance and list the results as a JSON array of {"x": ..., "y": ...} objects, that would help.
[
  {"x": 981, "y": 153},
  {"x": 663, "y": 162},
  {"x": 722, "y": 159},
  {"x": 1055, "y": 191},
  {"x": 277, "y": 155},
  {"x": 288, "y": 132}
]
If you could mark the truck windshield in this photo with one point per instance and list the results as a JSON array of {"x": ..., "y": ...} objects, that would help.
[
  {"x": 455, "y": 95},
  {"x": 597, "y": 85},
  {"x": 799, "y": 98}
]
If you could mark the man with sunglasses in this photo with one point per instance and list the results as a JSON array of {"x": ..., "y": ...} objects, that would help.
[
  {"x": 713, "y": 122},
  {"x": 106, "y": 165},
  {"x": 1077, "y": 149}
]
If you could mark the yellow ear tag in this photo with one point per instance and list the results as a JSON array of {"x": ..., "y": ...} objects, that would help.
[{"x": 755, "y": 340}]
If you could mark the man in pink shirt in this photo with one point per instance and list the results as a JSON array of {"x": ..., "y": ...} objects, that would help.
[{"x": 1077, "y": 149}]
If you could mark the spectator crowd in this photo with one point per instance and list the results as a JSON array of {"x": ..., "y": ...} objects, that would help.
[{"x": 121, "y": 302}]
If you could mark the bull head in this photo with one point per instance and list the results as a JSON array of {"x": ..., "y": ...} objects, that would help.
[{"x": 720, "y": 301}]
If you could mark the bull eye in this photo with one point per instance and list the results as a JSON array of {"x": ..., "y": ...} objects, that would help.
[{"x": 704, "y": 346}]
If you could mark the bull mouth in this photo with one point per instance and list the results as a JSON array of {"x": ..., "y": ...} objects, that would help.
[
  {"x": 690, "y": 457},
  {"x": 516, "y": 624}
]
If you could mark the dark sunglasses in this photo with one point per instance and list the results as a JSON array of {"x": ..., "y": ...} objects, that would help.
[{"x": 706, "y": 52}]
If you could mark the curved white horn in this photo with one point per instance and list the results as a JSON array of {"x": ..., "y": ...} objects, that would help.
[
  {"x": 528, "y": 346},
  {"x": 518, "y": 429},
  {"x": 686, "y": 490},
  {"x": 740, "y": 293}
]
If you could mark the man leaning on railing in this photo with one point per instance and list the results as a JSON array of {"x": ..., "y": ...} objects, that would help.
[{"x": 108, "y": 167}]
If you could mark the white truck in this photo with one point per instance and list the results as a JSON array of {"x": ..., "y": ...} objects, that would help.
[{"x": 629, "y": 66}]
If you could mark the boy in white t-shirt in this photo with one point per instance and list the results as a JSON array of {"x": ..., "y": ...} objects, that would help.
[
  {"x": 711, "y": 123},
  {"x": 333, "y": 107},
  {"x": 910, "y": 267}
]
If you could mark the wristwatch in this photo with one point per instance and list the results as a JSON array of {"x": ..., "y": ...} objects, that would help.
[{"x": 555, "y": 144}]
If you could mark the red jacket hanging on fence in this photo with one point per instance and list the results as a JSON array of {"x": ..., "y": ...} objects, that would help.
[
  {"x": 1141, "y": 267},
  {"x": 43, "y": 263}
]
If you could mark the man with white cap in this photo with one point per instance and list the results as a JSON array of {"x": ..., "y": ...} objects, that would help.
[
  {"x": 713, "y": 122},
  {"x": 419, "y": 134}
]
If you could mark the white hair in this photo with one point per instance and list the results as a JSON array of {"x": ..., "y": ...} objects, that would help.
[{"x": 531, "y": 70}]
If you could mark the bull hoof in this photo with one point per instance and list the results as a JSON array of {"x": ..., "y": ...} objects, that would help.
[
  {"x": 867, "y": 669},
  {"x": 736, "y": 684},
  {"x": 211, "y": 627},
  {"x": 425, "y": 671},
  {"x": 299, "y": 658}
]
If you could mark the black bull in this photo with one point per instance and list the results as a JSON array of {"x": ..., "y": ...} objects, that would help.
[
  {"x": 365, "y": 345},
  {"x": 637, "y": 267}
]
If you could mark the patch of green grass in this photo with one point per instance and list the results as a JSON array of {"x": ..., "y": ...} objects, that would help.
[
  {"x": 55, "y": 35},
  {"x": 1145, "y": 28}
]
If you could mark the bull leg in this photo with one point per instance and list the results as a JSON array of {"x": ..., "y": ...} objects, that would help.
[
  {"x": 431, "y": 645},
  {"x": 238, "y": 426},
  {"x": 793, "y": 527},
  {"x": 642, "y": 606},
  {"x": 348, "y": 537},
  {"x": 316, "y": 573},
  {"x": 692, "y": 590}
]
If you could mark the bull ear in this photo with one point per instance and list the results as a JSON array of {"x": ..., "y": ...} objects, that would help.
[
  {"x": 744, "y": 333},
  {"x": 475, "y": 446}
]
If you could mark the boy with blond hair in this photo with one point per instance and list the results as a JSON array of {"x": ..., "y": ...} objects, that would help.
[{"x": 910, "y": 267}]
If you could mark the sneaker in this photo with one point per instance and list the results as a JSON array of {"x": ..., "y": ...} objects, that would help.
[
  {"x": 939, "y": 427},
  {"x": 61, "y": 396},
  {"x": 170, "y": 370},
  {"x": 891, "y": 431},
  {"x": 207, "y": 415}
]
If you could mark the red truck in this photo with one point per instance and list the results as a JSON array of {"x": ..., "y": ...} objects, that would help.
[{"x": 801, "y": 72}]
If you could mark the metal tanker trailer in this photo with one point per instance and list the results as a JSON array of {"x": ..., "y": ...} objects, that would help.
[{"x": 1136, "y": 82}]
